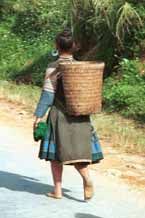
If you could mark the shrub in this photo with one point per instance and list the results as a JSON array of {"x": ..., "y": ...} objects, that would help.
[
  {"x": 126, "y": 92},
  {"x": 108, "y": 29},
  {"x": 27, "y": 31}
]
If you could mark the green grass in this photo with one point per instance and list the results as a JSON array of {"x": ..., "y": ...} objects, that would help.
[
  {"x": 25, "y": 95},
  {"x": 19, "y": 56},
  {"x": 121, "y": 133}
]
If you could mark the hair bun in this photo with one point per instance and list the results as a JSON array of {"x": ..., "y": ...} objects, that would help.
[{"x": 64, "y": 40}]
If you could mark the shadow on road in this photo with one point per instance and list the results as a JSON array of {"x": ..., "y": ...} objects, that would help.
[
  {"x": 16, "y": 182},
  {"x": 72, "y": 198},
  {"x": 85, "y": 215}
]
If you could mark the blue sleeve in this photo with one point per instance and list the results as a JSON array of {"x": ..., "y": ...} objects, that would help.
[{"x": 45, "y": 101}]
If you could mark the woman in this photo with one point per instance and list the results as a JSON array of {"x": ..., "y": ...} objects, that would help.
[{"x": 70, "y": 139}]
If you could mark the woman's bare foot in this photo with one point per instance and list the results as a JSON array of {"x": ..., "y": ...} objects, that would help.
[
  {"x": 88, "y": 189},
  {"x": 54, "y": 195}
]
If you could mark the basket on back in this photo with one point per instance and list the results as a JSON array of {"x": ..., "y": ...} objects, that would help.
[{"x": 82, "y": 82}]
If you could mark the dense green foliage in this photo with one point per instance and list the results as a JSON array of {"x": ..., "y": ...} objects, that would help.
[
  {"x": 108, "y": 30},
  {"x": 114, "y": 31},
  {"x": 125, "y": 92},
  {"x": 27, "y": 32}
]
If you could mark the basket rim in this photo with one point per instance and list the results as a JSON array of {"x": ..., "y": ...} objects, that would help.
[{"x": 90, "y": 63}]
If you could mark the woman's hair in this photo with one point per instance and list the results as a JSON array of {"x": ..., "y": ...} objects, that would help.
[{"x": 64, "y": 40}]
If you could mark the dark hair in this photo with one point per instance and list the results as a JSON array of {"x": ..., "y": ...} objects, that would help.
[{"x": 65, "y": 41}]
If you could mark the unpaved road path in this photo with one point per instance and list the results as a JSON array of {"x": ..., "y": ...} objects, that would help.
[{"x": 24, "y": 179}]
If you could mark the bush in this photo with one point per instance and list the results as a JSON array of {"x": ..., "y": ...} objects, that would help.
[
  {"x": 125, "y": 92},
  {"x": 107, "y": 29},
  {"x": 27, "y": 31},
  {"x": 41, "y": 18}
]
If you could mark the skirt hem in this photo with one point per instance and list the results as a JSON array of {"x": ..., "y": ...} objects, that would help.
[{"x": 77, "y": 161}]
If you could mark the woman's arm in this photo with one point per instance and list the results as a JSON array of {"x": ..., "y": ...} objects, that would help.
[
  {"x": 47, "y": 94},
  {"x": 45, "y": 101}
]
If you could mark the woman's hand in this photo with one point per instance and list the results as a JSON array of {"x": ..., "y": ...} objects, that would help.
[{"x": 36, "y": 121}]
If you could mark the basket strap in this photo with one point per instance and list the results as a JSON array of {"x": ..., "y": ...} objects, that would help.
[{"x": 60, "y": 105}]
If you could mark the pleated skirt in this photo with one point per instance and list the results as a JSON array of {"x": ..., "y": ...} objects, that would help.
[{"x": 49, "y": 151}]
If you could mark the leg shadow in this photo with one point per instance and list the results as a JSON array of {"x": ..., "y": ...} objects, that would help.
[
  {"x": 85, "y": 215},
  {"x": 72, "y": 198},
  {"x": 16, "y": 182}
]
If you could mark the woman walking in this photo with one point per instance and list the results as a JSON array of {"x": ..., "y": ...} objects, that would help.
[{"x": 69, "y": 139}]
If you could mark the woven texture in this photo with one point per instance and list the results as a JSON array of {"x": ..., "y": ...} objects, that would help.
[{"x": 82, "y": 82}]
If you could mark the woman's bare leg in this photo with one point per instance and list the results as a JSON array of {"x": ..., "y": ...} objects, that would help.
[
  {"x": 83, "y": 170},
  {"x": 56, "y": 169}
]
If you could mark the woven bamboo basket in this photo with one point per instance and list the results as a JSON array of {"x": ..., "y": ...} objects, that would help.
[{"x": 82, "y": 82}]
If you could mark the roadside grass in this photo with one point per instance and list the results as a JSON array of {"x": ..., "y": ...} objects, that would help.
[
  {"x": 124, "y": 134},
  {"x": 26, "y": 95},
  {"x": 121, "y": 133}
]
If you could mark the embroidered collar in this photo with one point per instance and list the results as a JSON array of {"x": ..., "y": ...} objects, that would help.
[{"x": 70, "y": 57}]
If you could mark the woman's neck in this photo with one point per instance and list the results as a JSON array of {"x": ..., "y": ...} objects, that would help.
[{"x": 65, "y": 54}]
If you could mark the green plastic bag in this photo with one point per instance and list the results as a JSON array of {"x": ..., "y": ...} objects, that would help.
[{"x": 40, "y": 132}]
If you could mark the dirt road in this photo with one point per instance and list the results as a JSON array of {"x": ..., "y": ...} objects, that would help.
[{"x": 24, "y": 179}]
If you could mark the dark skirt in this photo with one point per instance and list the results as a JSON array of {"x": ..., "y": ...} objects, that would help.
[{"x": 70, "y": 139}]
